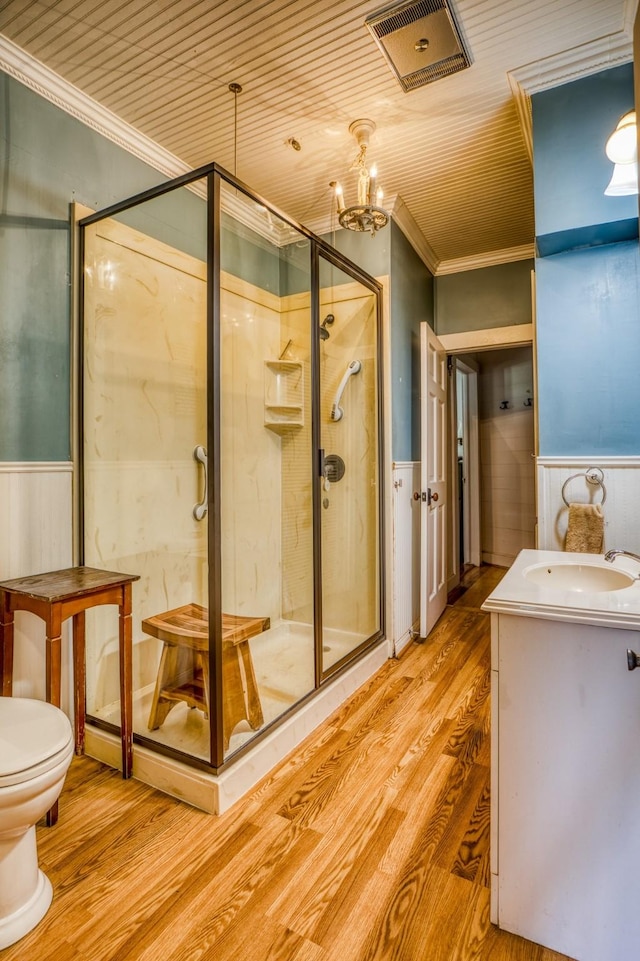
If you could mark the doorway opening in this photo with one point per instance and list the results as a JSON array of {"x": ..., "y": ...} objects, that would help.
[{"x": 493, "y": 458}]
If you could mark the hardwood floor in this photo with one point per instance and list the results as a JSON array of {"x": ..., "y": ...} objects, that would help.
[{"x": 369, "y": 843}]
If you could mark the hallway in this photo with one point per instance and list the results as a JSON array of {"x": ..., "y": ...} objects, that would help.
[{"x": 370, "y": 842}]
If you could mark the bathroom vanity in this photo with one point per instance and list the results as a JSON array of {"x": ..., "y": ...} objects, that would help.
[{"x": 565, "y": 841}]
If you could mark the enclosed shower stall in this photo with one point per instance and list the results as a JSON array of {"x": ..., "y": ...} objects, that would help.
[{"x": 230, "y": 455}]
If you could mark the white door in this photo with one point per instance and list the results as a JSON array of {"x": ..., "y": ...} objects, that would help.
[{"x": 433, "y": 479}]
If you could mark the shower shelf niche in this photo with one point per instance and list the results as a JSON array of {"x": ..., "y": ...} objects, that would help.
[{"x": 283, "y": 394}]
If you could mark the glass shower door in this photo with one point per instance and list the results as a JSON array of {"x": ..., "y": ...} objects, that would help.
[
  {"x": 350, "y": 487},
  {"x": 265, "y": 469},
  {"x": 144, "y": 417}
]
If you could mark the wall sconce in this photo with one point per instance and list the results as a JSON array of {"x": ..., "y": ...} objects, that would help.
[{"x": 622, "y": 151}]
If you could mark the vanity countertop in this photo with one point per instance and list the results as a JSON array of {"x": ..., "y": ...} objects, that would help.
[{"x": 518, "y": 594}]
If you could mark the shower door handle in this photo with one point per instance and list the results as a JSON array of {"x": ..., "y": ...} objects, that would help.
[{"x": 200, "y": 510}]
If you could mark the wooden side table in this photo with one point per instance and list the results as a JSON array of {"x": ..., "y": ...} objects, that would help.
[{"x": 55, "y": 596}]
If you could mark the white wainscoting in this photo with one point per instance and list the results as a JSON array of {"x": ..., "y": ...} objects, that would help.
[
  {"x": 36, "y": 525},
  {"x": 406, "y": 553},
  {"x": 621, "y": 508}
]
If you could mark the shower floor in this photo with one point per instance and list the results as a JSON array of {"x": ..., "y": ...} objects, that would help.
[{"x": 283, "y": 662}]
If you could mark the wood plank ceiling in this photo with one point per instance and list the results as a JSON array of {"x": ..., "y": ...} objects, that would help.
[{"x": 454, "y": 150}]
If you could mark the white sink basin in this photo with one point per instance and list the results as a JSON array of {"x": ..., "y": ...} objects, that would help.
[{"x": 588, "y": 578}]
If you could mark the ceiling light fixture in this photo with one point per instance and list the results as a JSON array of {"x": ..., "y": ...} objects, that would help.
[
  {"x": 367, "y": 214},
  {"x": 621, "y": 149}
]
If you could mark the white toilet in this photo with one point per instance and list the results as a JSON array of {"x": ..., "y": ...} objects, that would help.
[{"x": 36, "y": 747}]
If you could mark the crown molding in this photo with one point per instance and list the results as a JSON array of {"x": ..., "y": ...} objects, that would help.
[
  {"x": 404, "y": 219},
  {"x": 564, "y": 67},
  {"x": 52, "y": 87},
  {"x": 575, "y": 63},
  {"x": 507, "y": 256},
  {"x": 58, "y": 91},
  {"x": 610, "y": 51},
  {"x": 522, "y": 102},
  {"x": 629, "y": 15}
]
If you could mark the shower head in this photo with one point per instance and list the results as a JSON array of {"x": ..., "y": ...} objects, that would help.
[{"x": 327, "y": 322}]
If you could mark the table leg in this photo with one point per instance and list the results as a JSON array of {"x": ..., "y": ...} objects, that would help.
[
  {"x": 126, "y": 681},
  {"x": 54, "y": 668},
  {"x": 54, "y": 655},
  {"x": 79, "y": 680},
  {"x": 6, "y": 645}
]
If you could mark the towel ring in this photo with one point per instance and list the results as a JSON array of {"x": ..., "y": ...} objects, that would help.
[{"x": 593, "y": 475}]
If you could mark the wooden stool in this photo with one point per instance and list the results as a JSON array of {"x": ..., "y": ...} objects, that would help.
[
  {"x": 55, "y": 596},
  {"x": 180, "y": 678}
]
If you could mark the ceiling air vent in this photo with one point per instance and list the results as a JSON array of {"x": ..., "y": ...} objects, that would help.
[{"x": 420, "y": 40}]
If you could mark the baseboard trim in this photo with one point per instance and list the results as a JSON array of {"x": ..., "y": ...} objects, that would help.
[{"x": 497, "y": 560}]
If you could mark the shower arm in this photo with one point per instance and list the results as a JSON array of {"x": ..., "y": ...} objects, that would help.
[{"x": 337, "y": 413}]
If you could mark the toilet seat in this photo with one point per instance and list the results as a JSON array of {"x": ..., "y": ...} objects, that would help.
[{"x": 34, "y": 737}]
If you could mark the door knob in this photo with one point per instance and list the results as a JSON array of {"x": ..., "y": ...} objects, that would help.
[
  {"x": 416, "y": 495},
  {"x": 434, "y": 496},
  {"x": 633, "y": 660}
]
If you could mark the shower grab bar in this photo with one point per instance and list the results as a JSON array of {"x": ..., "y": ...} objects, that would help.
[
  {"x": 337, "y": 412},
  {"x": 200, "y": 509}
]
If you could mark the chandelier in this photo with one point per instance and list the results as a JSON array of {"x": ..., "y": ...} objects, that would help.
[{"x": 366, "y": 214}]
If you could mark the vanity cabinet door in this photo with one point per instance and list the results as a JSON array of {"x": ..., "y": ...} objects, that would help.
[{"x": 567, "y": 750}]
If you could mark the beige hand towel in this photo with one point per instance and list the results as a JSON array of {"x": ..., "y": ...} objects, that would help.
[{"x": 585, "y": 530}]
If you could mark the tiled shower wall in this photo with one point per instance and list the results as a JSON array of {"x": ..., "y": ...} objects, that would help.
[{"x": 349, "y": 521}]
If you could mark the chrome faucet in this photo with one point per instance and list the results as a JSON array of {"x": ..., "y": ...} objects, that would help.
[{"x": 611, "y": 555}]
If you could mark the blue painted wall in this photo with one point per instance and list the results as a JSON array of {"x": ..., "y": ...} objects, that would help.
[
  {"x": 412, "y": 287},
  {"x": 372, "y": 254},
  {"x": 497, "y": 296},
  {"x": 588, "y": 339},
  {"x": 571, "y": 125},
  {"x": 49, "y": 160},
  {"x": 588, "y": 300}
]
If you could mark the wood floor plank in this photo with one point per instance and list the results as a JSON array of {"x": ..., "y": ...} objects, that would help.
[
  {"x": 292, "y": 791},
  {"x": 418, "y": 806},
  {"x": 271, "y": 940},
  {"x": 460, "y": 802},
  {"x": 329, "y": 909},
  {"x": 480, "y": 586},
  {"x": 472, "y": 857},
  {"x": 236, "y": 939},
  {"x": 340, "y": 852},
  {"x": 370, "y": 842},
  {"x": 367, "y": 915},
  {"x": 154, "y": 904}
]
